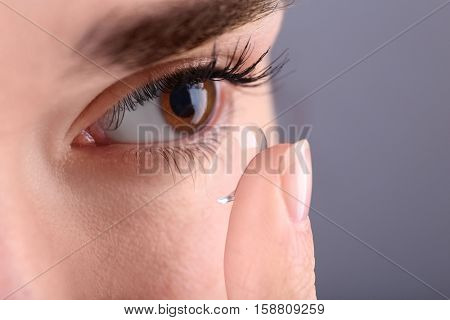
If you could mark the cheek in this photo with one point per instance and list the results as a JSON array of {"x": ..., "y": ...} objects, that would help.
[
  {"x": 122, "y": 235},
  {"x": 165, "y": 252},
  {"x": 169, "y": 247}
]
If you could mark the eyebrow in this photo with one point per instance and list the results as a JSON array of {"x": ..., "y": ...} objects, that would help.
[{"x": 180, "y": 27}]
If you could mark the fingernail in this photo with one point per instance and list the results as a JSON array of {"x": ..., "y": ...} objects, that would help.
[{"x": 296, "y": 180}]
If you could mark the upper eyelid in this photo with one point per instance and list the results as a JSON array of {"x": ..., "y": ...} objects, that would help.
[
  {"x": 219, "y": 65},
  {"x": 121, "y": 87},
  {"x": 233, "y": 70}
]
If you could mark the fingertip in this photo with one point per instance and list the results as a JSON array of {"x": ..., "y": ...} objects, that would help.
[{"x": 269, "y": 255}]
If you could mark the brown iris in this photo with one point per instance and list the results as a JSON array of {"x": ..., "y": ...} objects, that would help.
[{"x": 188, "y": 107}]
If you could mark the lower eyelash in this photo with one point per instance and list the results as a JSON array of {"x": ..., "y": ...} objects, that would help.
[
  {"x": 177, "y": 159},
  {"x": 202, "y": 147}
]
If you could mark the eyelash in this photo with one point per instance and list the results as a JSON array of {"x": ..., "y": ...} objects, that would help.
[{"x": 233, "y": 72}]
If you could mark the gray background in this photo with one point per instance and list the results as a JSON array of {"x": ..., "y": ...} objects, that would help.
[{"x": 380, "y": 142}]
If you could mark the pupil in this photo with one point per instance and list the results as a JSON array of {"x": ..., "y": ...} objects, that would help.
[{"x": 181, "y": 102}]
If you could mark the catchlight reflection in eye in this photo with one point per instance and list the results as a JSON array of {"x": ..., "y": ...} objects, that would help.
[{"x": 185, "y": 109}]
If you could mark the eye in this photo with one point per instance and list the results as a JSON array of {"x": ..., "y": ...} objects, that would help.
[
  {"x": 185, "y": 109},
  {"x": 182, "y": 101}
]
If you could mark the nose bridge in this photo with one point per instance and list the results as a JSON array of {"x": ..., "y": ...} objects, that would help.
[
  {"x": 33, "y": 228},
  {"x": 8, "y": 179},
  {"x": 12, "y": 223},
  {"x": 22, "y": 239},
  {"x": 10, "y": 171}
]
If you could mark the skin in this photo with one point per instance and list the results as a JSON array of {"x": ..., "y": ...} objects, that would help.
[{"x": 80, "y": 223}]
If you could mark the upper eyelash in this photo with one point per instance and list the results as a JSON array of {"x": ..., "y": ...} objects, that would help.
[{"x": 233, "y": 72}]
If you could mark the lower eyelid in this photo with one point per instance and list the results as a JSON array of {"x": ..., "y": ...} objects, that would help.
[
  {"x": 174, "y": 157},
  {"x": 183, "y": 155}
]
